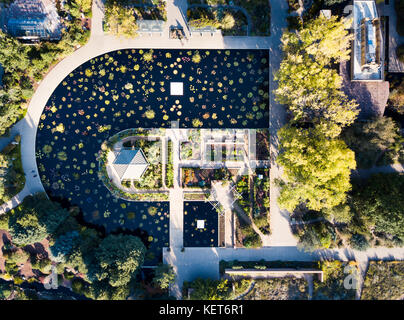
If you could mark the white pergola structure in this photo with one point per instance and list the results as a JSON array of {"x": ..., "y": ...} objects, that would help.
[{"x": 216, "y": 203}]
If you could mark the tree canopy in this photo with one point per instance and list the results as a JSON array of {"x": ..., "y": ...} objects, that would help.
[
  {"x": 307, "y": 81},
  {"x": 163, "y": 276},
  {"x": 35, "y": 219},
  {"x": 316, "y": 169},
  {"x": 120, "y": 18},
  {"x": 375, "y": 140},
  {"x": 117, "y": 259},
  {"x": 380, "y": 203}
]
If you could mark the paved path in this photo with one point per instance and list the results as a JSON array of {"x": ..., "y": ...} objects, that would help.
[
  {"x": 365, "y": 173},
  {"x": 281, "y": 233},
  {"x": 98, "y": 44},
  {"x": 193, "y": 263},
  {"x": 176, "y": 195}
]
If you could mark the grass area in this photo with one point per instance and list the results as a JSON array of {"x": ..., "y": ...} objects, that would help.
[
  {"x": 384, "y": 281},
  {"x": 12, "y": 178}
]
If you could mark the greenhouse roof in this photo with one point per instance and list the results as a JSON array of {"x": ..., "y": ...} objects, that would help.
[
  {"x": 130, "y": 164},
  {"x": 33, "y": 19}
]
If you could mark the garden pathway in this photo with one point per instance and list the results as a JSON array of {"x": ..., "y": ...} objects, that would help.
[
  {"x": 176, "y": 195},
  {"x": 204, "y": 262},
  {"x": 98, "y": 44},
  {"x": 281, "y": 233},
  {"x": 365, "y": 173}
]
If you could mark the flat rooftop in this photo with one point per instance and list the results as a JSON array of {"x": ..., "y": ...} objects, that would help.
[{"x": 368, "y": 51}]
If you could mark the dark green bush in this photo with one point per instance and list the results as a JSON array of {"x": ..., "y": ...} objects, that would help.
[{"x": 359, "y": 242}]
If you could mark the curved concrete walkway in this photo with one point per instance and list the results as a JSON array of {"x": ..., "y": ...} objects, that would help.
[{"x": 98, "y": 44}]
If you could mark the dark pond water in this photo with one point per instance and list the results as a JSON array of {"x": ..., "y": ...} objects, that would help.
[
  {"x": 195, "y": 237},
  {"x": 121, "y": 90}
]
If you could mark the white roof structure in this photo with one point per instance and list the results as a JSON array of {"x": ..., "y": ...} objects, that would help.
[
  {"x": 200, "y": 224},
  {"x": 176, "y": 88},
  {"x": 367, "y": 54},
  {"x": 130, "y": 164}
]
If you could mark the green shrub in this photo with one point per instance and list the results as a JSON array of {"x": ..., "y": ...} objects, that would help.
[
  {"x": 207, "y": 289},
  {"x": 384, "y": 281},
  {"x": 359, "y": 242}
]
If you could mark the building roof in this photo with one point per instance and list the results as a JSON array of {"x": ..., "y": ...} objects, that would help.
[
  {"x": 130, "y": 164},
  {"x": 371, "y": 96},
  {"x": 367, "y": 51},
  {"x": 34, "y": 19}
]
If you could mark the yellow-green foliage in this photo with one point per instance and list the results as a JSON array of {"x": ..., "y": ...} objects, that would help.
[
  {"x": 120, "y": 19},
  {"x": 308, "y": 85},
  {"x": 316, "y": 169}
]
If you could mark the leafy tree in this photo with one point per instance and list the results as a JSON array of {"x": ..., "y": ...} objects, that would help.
[
  {"x": 163, "y": 276},
  {"x": 208, "y": 289},
  {"x": 34, "y": 219},
  {"x": 120, "y": 18},
  {"x": 64, "y": 245},
  {"x": 117, "y": 259},
  {"x": 101, "y": 290},
  {"x": 341, "y": 213},
  {"x": 316, "y": 169},
  {"x": 82, "y": 254},
  {"x": 16, "y": 256},
  {"x": 13, "y": 55},
  {"x": 380, "y": 203},
  {"x": 307, "y": 84},
  {"x": 374, "y": 139},
  {"x": 332, "y": 2},
  {"x": 76, "y": 7}
]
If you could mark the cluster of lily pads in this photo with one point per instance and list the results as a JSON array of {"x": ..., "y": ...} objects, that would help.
[{"x": 131, "y": 89}]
